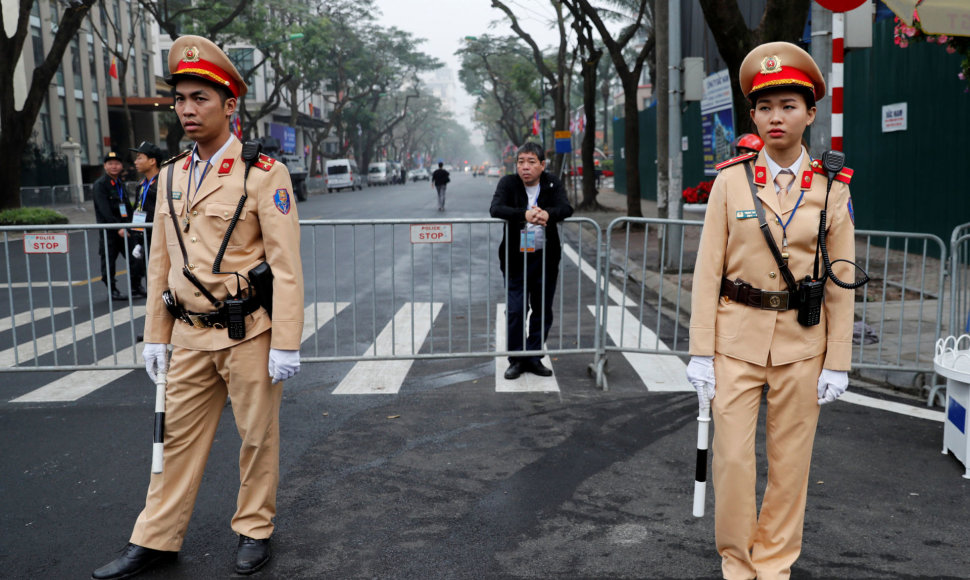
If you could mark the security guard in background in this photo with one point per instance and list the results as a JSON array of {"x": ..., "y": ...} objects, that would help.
[
  {"x": 744, "y": 330},
  {"x": 198, "y": 195},
  {"x": 148, "y": 157},
  {"x": 112, "y": 206}
]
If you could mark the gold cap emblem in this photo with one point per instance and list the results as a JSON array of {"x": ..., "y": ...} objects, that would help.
[
  {"x": 770, "y": 64},
  {"x": 191, "y": 54}
]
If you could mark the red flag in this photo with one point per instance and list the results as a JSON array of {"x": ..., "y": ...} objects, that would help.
[
  {"x": 535, "y": 123},
  {"x": 113, "y": 71}
]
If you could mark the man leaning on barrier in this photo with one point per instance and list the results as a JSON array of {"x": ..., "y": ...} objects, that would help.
[
  {"x": 234, "y": 327},
  {"x": 532, "y": 202}
]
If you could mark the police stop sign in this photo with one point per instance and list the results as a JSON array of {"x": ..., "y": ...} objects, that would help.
[
  {"x": 431, "y": 233},
  {"x": 841, "y": 5},
  {"x": 45, "y": 243}
]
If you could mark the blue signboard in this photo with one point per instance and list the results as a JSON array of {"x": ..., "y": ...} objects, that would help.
[{"x": 286, "y": 135}]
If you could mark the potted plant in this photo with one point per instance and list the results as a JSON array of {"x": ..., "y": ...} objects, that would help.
[{"x": 695, "y": 199}]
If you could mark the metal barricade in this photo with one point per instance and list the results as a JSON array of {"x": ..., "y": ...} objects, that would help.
[
  {"x": 959, "y": 320},
  {"x": 438, "y": 296},
  {"x": 58, "y": 316}
]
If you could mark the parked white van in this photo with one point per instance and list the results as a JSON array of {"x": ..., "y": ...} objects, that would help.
[
  {"x": 377, "y": 173},
  {"x": 341, "y": 174}
]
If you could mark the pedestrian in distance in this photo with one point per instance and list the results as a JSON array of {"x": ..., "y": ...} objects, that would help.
[
  {"x": 112, "y": 206},
  {"x": 531, "y": 202},
  {"x": 750, "y": 329},
  {"x": 148, "y": 157},
  {"x": 227, "y": 295},
  {"x": 439, "y": 181}
]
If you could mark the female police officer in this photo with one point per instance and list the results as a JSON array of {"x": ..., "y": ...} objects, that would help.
[{"x": 744, "y": 330}]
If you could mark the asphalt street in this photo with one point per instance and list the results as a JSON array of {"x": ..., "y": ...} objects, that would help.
[{"x": 446, "y": 477}]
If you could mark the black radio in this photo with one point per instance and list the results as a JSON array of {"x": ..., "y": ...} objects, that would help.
[
  {"x": 235, "y": 319},
  {"x": 810, "y": 294}
]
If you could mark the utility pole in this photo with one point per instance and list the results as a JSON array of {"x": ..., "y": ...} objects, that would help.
[
  {"x": 676, "y": 177},
  {"x": 662, "y": 95},
  {"x": 821, "y": 137}
]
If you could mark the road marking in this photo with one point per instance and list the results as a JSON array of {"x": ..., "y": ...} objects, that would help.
[
  {"x": 75, "y": 385},
  {"x": 65, "y": 336},
  {"x": 614, "y": 293},
  {"x": 25, "y": 317},
  {"x": 385, "y": 377},
  {"x": 893, "y": 406},
  {"x": 657, "y": 371},
  {"x": 528, "y": 382}
]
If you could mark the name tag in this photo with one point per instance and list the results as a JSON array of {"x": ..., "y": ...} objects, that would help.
[
  {"x": 139, "y": 217},
  {"x": 527, "y": 241},
  {"x": 176, "y": 195},
  {"x": 123, "y": 210},
  {"x": 743, "y": 214}
]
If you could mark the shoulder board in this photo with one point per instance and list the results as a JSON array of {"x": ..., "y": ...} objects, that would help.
[
  {"x": 735, "y": 160},
  {"x": 845, "y": 176},
  {"x": 176, "y": 158},
  {"x": 264, "y": 162}
]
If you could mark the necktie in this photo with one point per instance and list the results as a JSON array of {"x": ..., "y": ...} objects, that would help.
[{"x": 784, "y": 180}]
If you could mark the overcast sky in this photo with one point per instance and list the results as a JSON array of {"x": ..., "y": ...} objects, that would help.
[{"x": 445, "y": 23}]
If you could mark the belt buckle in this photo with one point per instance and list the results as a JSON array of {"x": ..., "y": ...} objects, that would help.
[
  {"x": 774, "y": 300},
  {"x": 195, "y": 320}
]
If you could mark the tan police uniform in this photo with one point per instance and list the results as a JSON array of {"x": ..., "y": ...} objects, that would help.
[
  {"x": 753, "y": 344},
  {"x": 206, "y": 364}
]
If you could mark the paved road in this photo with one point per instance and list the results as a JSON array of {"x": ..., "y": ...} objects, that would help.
[{"x": 449, "y": 478}]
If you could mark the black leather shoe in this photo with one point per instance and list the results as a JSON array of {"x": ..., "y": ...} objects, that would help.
[
  {"x": 514, "y": 371},
  {"x": 251, "y": 555},
  {"x": 134, "y": 560},
  {"x": 537, "y": 368},
  {"x": 117, "y": 295}
]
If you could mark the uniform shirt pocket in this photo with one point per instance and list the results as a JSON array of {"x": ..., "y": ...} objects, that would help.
[{"x": 221, "y": 215}]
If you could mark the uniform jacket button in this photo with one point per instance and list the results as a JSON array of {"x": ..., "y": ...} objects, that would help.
[
  {"x": 770, "y": 274},
  {"x": 197, "y": 293},
  {"x": 193, "y": 239},
  {"x": 191, "y": 266},
  {"x": 195, "y": 212}
]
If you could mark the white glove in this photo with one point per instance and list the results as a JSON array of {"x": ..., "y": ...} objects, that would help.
[
  {"x": 700, "y": 373},
  {"x": 156, "y": 358},
  {"x": 136, "y": 252},
  {"x": 831, "y": 385},
  {"x": 283, "y": 364}
]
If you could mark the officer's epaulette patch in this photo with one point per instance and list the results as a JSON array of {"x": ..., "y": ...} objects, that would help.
[
  {"x": 176, "y": 158},
  {"x": 845, "y": 175},
  {"x": 264, "y": 162},
  {"x": 735, "y": 160}
]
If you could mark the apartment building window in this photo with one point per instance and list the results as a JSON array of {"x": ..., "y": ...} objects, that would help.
[
  {"x": 92, "y": 67},
  {"x": 37, "y": 43},
  {"x": 45, "y": 125},
  {"x": 107, "y": 66},
  {"x": 63, "y": 105},
  {"x": 97, "y": 127},
  {"x": 82, "y": 128},
  {"x": 76, "y": 64},
  {"x": 146, "y": 76}
]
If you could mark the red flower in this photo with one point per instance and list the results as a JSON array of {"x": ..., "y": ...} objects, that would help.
[{"x": 699, "y": 193}]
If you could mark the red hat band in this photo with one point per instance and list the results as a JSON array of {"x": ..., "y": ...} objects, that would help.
[
  {"x": 787, "y": 76},
  {"x": 207, "y": 70}
]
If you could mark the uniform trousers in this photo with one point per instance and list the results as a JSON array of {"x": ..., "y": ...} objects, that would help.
[
  {"x": 109, "y": 255},
  {"x": 195, "y": 396},
  {"x": 534, "y": 291},
  {"x": 751, "y": 544},
  {"x": 441, "y": 189}
]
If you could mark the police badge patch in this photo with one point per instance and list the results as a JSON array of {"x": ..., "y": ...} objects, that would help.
[{"x": 282, "y": 201}]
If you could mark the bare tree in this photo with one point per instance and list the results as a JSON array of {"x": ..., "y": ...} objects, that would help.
[{"x": 590, "y": 54}]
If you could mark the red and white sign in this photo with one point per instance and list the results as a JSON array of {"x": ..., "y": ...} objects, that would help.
[
  {"x": 841, "y": 5},
  {"x": 431, "y": 234},
  {"x": 45, "y": 243}
]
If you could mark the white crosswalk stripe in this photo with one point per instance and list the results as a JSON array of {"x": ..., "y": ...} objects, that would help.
[
  {"x": 658, "y": 372},
  {"x": 385, "y": 377},
  {"x": 75, "y": 385},
  {"x": 527, "y": 382},
  {"x": 37, "y": 315},
  {"x": 45, "y": 344}
]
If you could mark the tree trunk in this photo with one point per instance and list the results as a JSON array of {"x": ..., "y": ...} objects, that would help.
[
  {"x": 631, "y": 122},
  {"x": 589, "y": 135},
  {"x": 11, "y": 156}
]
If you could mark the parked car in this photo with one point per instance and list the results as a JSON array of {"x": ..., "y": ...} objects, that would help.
[
  {"x": 341, "y": 174},
  {"x": 419, "y": 174},
  {"x": 377, "y": 173},
  {"x": 493, "y": 171}
]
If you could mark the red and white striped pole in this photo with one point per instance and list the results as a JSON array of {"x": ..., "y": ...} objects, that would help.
[{"x": 836, "y": 83}]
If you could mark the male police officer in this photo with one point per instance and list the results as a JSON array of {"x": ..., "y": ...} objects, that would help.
[{"x": 199, "y": 196}]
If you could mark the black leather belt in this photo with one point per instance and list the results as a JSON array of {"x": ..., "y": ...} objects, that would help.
[
  {"x": 743, "y": 293},
  {"x": 214, "y": 319}
]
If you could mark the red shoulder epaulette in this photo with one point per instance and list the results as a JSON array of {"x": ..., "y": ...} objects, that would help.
[
  {"x": 264, "y": 162},
  {"x": 735, "y": 160},
  {"x": 845, "y": 175}
]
